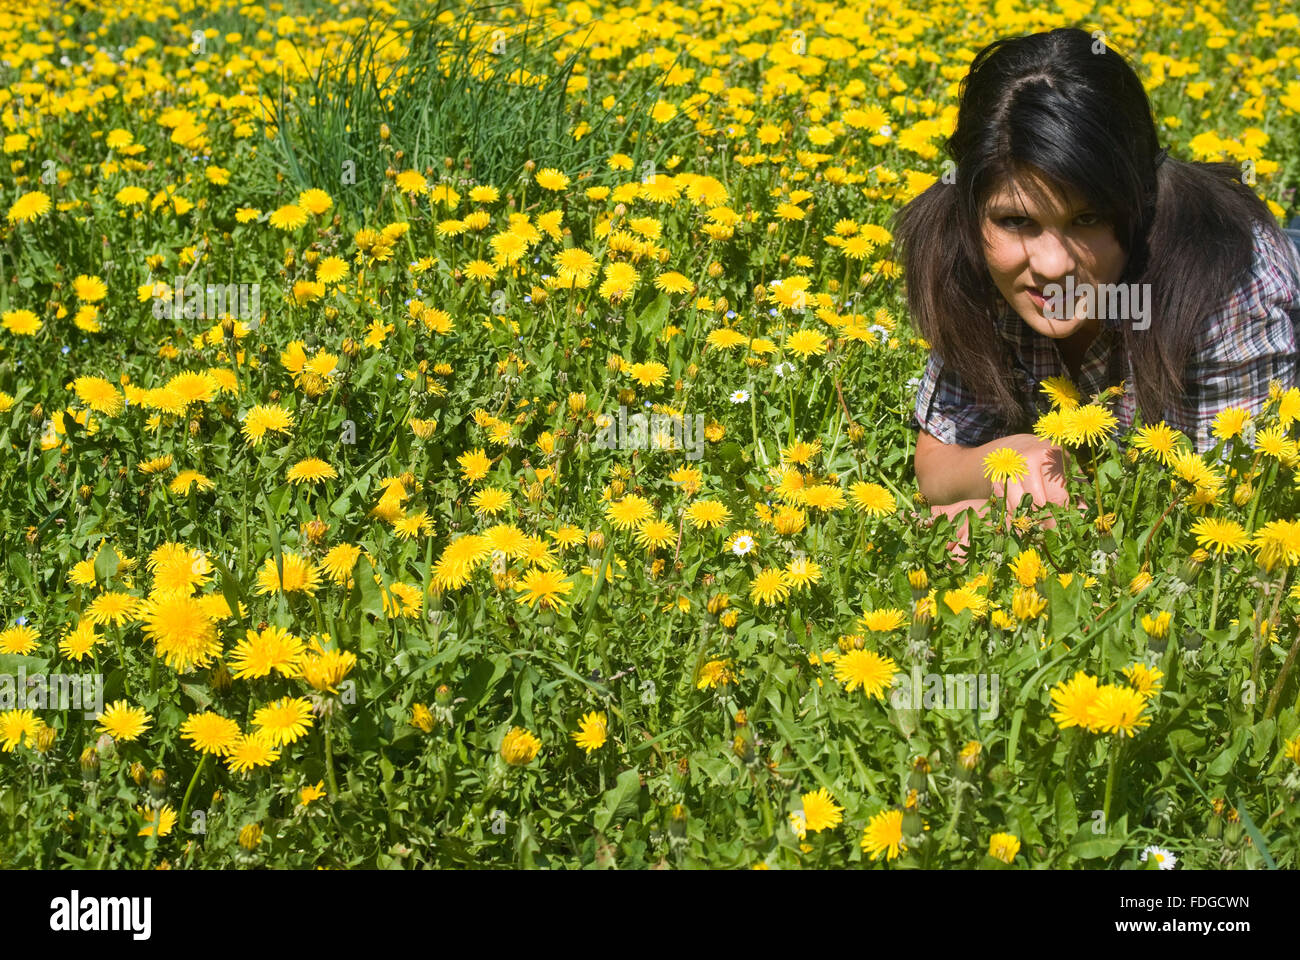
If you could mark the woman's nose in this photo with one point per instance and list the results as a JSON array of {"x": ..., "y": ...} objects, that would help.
[{"x": 1049, "y": 257}]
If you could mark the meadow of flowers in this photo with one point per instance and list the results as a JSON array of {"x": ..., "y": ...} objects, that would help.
[{"x": 545, "y": 496}]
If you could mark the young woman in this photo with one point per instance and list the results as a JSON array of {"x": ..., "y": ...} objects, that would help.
[{"x": 1061, "y": 185}]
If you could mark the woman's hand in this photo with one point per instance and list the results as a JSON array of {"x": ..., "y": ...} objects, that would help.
[{"x": 1046, "y": 482}]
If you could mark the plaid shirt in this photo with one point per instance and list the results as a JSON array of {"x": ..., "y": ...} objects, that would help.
[{"x": 1251, "y": 339}]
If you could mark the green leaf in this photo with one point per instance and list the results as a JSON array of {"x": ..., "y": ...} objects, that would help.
[
  {"x": 371, "y": 600},
  {"x": 1067, "y": 815},
  {"x": 1225, "y": 760},
  {"x": 619, "y": 800},
  {"x": 106, "y": 562},
  {"x": 1255, "y": 835},
  {"x": 198, "y": 695},
  {"x": 1087, "y": 847}
]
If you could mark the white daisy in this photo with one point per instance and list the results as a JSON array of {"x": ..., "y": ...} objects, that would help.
[
  {"x": 740, "y": 396},
  {"x": 1165, "y": 859},
  {"x": 743, "y": 545}
]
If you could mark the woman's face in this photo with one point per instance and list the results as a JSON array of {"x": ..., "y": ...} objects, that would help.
[{"x": 1029, "y": 245}]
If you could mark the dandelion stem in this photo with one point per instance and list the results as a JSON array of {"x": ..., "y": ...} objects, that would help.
[
  {"x": 1110, "y": 780},
  {"x": 1276, "y": 692},
  {"x": 956, "y": 813},
  {"x": 1267, "y": 625},
  {"x": 1137, "y": 491},
  {"x": 1254, "y": 500},
  {"x": 329, "y": 762},
  {"x": 185, "y": 803},
  {"x": 1214, "y": 600}
]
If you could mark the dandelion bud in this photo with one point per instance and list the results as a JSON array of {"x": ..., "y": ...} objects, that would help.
[
  {"x": 970, "y": 755},
  {"x": 37, "y": 413},
  {"x": 275, "y": 395},
  {"x": 722, "y": 305},
  {"x": 251, "y": 835},
  {"x": 1140, "y": 583},
  {"x": 422, "y": 718},
  {"x": 138, "y": 773},
  {"x": 105, "y": 747},
  {"x": 194, "y": 428},
  {"x": 45, "y": 738},
  {"x": 1189, "y": 568},
  {"x": 718, "y": 602},
  {"x": 692, "y": 371},
  {"x": 595, "y": 541},
  {"x": 535, "y": 492},
  {"x": 741, "y": 718},
  {"x": 620, "y": 209},
  {"x": 918, "y": 779},
  {"x": 616, "y": 488},
  {"x": 219, "y": 677},
  {"x": 1233, "y": 829},
  {"x": 729, "y": 619},
  {"x": 743, "y": 747},
  {"x": 384, "y": 134},
  {"x": 760, "y": 293},
  {"x": 442, "y": 696},
  {"x": 315, "y": 530},
  {"x": 577, "y": 404},
  {"x": 84, "y": 491},
  {"x": 351, "y": 347},
  {"x": 856, "y": 433},
  {"x": 715, "y": 269},
  {"x": 1215, "y": 829},
  {"x": 1241, "y": 496},
  {"x": 677, "y": 821},
  {"x": 89, "y": 763},
  {"x": 919, "y": 581},
  {"x": 158, "y": 783}
]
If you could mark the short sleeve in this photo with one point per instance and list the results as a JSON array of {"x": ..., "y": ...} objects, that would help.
[
  {"x": 949, "y": 412},
  {"x": 1248, "y": 342}
]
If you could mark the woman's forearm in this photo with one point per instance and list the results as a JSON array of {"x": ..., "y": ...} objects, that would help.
[{"x": 948, "y": 473}]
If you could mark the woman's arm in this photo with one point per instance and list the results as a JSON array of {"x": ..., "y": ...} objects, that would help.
[{"x": 949, "y": 473}]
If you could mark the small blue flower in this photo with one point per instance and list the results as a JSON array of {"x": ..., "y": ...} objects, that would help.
[
  {"x": 20, "y": 621},
  {"x": 65, "y": 350},
  {"x": 731, "y": 314}
]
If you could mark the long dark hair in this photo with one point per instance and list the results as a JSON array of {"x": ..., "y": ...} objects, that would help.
[{"x": 1065, "y": 107}]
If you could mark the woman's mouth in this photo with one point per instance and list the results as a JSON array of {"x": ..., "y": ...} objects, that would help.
[{"x": 1037, "y": 296}]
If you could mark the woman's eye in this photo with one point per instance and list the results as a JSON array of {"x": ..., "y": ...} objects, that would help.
[
  {"x": 1088, "y": 220},
  {"x": 1013, "y": 223}
]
